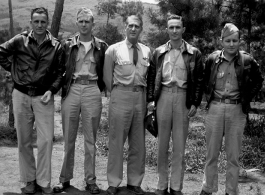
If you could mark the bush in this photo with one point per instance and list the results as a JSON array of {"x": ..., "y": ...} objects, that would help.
[
  {"x": 108, "y": 33},
  {"x": 253, "y": 145},
  {"x": 8, "y": 136}
]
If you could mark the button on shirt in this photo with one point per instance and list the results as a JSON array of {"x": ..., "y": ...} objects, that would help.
[
  {"x": 119, "y": 68},
  {"x": 85, "y": 62},
  {"x": 174, "y": 72},
  {"x": 226, "y": 85}
]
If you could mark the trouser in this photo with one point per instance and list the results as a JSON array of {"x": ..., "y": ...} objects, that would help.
[
  {"x": 226, "y": 120},
  {"x": 172, "y": 118},
  {"x": 84, "y": 99},
  {"x": 127, "y": 110},
  {"x": 26, "y": 110}
]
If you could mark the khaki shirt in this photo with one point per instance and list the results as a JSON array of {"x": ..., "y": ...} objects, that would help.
[
  {"x": 119, "y": 68},
  {"x": 174, "y": 72},
  {"x": 226, "y": 85},
  {"x": 85, "y": 62}
]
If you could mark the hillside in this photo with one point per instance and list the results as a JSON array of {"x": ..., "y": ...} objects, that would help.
[{"x": 22, "y": 8}]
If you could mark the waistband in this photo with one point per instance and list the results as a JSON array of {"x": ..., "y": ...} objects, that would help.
[
  {"x": 84, "y": 81},
  {"x": 227, "y": 101},
  {"x": 130, "y": 88},
  {"x": 173, "y": 89},
  {"x": 30, "y": 90}
]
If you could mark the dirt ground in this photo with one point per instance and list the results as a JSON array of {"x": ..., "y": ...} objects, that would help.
[{"x": 253, "y": 184}]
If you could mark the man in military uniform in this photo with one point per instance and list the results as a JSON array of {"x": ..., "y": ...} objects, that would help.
[
  {"x": 81, "y": 94},
  {"x": 175, "y": 87},
  {"x": 37, "y": 71},
  {"x": 125, "y": 71},
  {"x": 232, "y": 79}
]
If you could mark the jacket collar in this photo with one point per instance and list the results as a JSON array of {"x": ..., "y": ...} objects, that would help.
[
  {"x": 186, "y": 47},
  {"x": 49, "y": 37},
  {"x": 75, "y": 41},
  {"x": 220, "y": 58}
]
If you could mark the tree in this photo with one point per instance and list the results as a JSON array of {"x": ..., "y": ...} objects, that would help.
[
  {"x": 109, "y": 33},
  {"x": 56, "y": 19},
  {"x": 108, "y": 7},
  {"x": 9, "y": 83},
  {"x": 11, "y": 26},
  {"x": 248, "y": 15},
  {"x": 200, "y": 19},
  {"x": 130, "y": 7}
]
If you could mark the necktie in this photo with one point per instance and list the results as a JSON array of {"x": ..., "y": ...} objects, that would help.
[{"x": 135, "y": 54}]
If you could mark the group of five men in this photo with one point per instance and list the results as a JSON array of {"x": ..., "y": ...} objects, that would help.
[{"x": 171, "y": 80}]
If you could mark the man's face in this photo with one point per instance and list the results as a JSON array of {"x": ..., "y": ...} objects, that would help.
[
  {"x": 231, "y": 44},
  {"x": 39, "y": 23},
  {"x": 175, "y": 29},
  {"x": 133, "y": 29},
  {"x": 85, "y": 25}
]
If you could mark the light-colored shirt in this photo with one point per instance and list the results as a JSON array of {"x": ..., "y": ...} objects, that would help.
[
  {"x": 174, "y": 72},
  {"x": 85, "y": 62},
  {"x": 119, "y": 68},
  {"x": 226, "y": 85}
]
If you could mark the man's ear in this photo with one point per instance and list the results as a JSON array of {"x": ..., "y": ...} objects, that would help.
[{"x": 220, "y": 41}]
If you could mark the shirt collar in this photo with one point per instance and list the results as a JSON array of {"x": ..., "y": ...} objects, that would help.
[
  {"x": 76, "y": 41},
  {"x": 222, "y": 56},
  {"x": 129, "y": 44},
  {"x": 48, "y": 37},
  {"x": 181, "y": 48}
]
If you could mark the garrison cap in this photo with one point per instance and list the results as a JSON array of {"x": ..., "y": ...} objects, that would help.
[
  {"x": 228, "y": 30},
  {"x": 84, "y": 12}
]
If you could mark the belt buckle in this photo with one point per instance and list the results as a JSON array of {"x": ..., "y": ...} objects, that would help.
[
  {"x": 31, "y": 91},
  {"x": 227, "y": 101},
  {"x": 135, "y": 89},
  {"x": 83, "y": 82}
]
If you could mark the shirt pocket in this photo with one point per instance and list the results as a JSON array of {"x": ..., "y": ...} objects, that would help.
[
  {"x": 181, "y": 73},
  {"x": 124, "y": 68},
  {"x": 80, "y": 55},
  {"x": 92, "y": 68},
  {"x": 167, "y": 70},
  {"x": 144, "y": 67},
  {"x": 219, "y": 85}
]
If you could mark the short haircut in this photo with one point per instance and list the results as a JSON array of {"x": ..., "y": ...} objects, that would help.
[
  {"x": 138, "y": 16},
  {"x": 40, "y": 10},
  {"x": 174, "y": 16}
]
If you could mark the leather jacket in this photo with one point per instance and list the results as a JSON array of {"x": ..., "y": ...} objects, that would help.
[
  {"x": 32, "y": 65},
  {"x": 70, "y": 49},
  {"x": 247, "y": 72},
  {"x": 194, "y": 66}
]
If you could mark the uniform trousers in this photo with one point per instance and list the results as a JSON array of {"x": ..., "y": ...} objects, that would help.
[
  {"x": 127, "y": 110},
  {"x": 228, "y": 121},
  {"x": 172, "y": 120},
  {"x": 28, "y": 109},
  {"x": 85, "y": 100}
]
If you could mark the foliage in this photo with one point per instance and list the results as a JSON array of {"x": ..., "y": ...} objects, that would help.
[
  {"x": 130, "y": 7},
  {"x": 246, "y": 14},
  {"x": 107, "y": 7},
  {"x": 156, "y": 37},
  {"x": 253, "y": 150},
  {"x": 200, "y": 19},
  {"x": 8, "y": 135},
  {"x": 109, "y": 33},
  {"x": 6, "y": 86}
]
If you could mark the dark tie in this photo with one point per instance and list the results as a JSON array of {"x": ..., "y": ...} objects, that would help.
[{"x": 135, "y": 54}]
